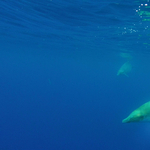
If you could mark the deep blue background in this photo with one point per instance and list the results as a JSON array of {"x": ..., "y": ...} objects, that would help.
[{"x": 59, "y": 88}]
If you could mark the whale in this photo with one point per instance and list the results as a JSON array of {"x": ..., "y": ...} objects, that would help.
[
  {"x": 141, "y": 114},
  {"x": 125, "y": 69}
]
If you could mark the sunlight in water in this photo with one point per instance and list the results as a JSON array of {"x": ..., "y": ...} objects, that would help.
[{"x": 144, "y": 11}]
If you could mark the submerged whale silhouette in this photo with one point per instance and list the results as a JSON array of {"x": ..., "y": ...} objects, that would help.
[
  {"x": 125, "y": 69},
  {"x": 140, "y": 114}
]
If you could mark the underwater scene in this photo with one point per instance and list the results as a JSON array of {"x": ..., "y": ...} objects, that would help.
[{"x": 75, "y": 75}]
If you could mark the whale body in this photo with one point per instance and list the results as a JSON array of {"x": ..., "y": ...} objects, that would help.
[
  {"x": 125, "y": 69},
  {"x": 139, "y": 115}
]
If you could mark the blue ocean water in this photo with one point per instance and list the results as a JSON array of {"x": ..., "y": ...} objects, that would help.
[{"x": 59, "y": 88}]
